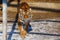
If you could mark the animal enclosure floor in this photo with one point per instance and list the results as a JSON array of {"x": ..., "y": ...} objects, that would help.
[{"x": 51, "y": 28}]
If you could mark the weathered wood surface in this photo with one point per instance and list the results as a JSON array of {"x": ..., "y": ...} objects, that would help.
[
  {"x": 51, "y": 1},
  {"x": 39, "y": 0},
  {"x": 12, "y": 11}
]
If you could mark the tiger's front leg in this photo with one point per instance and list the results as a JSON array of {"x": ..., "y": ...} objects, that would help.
[{"x": 20, "y": 27}]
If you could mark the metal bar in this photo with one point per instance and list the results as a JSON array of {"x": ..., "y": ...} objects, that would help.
[
  {"x": 4, "y": 19},
  {"x": 13, "y": 27}
]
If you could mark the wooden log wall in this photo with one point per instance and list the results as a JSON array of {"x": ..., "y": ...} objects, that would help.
[{"x": 37, "y": 14}]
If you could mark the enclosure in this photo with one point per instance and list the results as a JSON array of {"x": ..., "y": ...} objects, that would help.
[{"x": 45, "y": 21}]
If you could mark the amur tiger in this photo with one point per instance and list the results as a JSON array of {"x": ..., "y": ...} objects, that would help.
[{"x": 24, "y": 17}]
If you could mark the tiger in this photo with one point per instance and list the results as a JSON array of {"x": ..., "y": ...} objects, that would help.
[{"x": 24, "y": 18}]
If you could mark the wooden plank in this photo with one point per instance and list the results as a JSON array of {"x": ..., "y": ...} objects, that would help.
[{"x": 51, "y": 1}]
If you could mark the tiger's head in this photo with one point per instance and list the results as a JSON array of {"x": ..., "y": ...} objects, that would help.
[{"x": 24, "y": 11}]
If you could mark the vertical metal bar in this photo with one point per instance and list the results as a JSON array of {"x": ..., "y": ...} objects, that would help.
[{"x": 4, "y": 19}]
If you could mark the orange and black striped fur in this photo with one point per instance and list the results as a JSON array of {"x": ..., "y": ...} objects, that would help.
[{"x": 24, "y": 11}]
